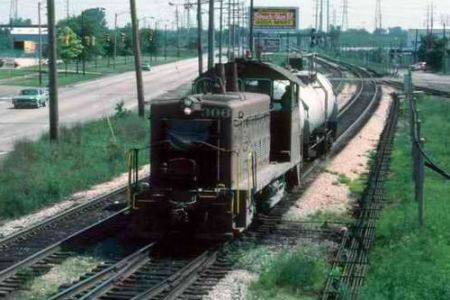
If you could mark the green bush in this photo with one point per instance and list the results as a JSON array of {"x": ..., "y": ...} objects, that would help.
[
  {"x": 301, "y": 272},
  {"x": 36, "y": 174}
]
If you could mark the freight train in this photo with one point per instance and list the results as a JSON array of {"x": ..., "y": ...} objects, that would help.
[{"x": 232, "y": 148}]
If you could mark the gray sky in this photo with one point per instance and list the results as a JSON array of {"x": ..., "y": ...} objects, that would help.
[{"x": 405, "y": 13}]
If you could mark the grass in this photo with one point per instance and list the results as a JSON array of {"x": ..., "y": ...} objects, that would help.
[
  {"x": 299, "y": 273},
  {"x": 344, "y": 179},
  {"x": 409, "y": 261},
  {"x": 70, "y": 270},
  {"x": 37, "y": 174},
  {"x": 328, "y": 216},
  {"x": 358, "y": 186},
  {"x": 29, "y": 76},
  {"x": 290, "y": 272}
]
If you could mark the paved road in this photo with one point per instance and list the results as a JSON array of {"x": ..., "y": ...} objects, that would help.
[
  {"x": 91, "y": 100},
  {"x": 428, "y": 80}
]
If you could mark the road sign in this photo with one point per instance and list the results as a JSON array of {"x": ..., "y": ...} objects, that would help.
[{"x": 268, "y": 44}]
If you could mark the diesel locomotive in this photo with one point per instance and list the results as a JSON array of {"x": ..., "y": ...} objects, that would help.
[{"x": 232, "y": 147}]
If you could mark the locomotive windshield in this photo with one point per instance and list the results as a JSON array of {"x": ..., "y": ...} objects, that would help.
[{"x": 185, "y": 135}]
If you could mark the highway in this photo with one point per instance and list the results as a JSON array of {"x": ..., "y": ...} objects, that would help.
[{"x": 92, "y": 100}]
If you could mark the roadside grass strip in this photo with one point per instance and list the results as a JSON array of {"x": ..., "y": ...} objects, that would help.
[
  {"x": 409, "y": 261},
  {"x": 40, "y": 173}
]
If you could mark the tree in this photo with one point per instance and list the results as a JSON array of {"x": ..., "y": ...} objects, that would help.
[
  {"x": 69, "y": 45},
  {"x": 5, "y": 39},
  {"x": 431, "y": 51},
  {"x": 21, "y": 22},
  {"x": 90, "y": 23}
]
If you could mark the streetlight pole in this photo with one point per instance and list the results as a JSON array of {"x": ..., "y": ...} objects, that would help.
[
  {"x": 211, "y": 35},
  {"x": 177, "y": 20},
  {"x": 116, "y": 15}
]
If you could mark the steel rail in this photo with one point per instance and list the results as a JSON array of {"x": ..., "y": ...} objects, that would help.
[
  {"x": 39, "y": 256},
  {"x": 19, "y": 236},
  {"x": 98, "y": 283},
  {"x": 180, "y": 281},
  {"x": 351, "y": 260}
]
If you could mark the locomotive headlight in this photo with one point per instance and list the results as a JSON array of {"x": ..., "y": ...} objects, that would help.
[{"x": 188, "y": 111}]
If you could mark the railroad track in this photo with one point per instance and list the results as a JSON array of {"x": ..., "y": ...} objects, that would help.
[
  {"x": 27, "y": 242},
  {"x": 338, "y": 74},
  {"x": 351, "y": 261},
  {"x": 189, "y": 275},
  {"x": 149, "y": 273},
  {"x": 272, "y": 229},
  {"x": 146, "y": 276},
  {"x": 15, "y": 276},
  {"x": 34, "y": 251}
]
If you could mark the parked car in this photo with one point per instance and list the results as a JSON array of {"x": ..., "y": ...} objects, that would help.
[
  {"x": 31, "y": 98},
  {"x": 146, "y": 67},
  {"x": 420, "y": 66}
]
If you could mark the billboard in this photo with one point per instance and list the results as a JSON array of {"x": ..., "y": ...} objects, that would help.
[
  {"x": 275, "y": 18},
  {"x": 268, "y": 44}
]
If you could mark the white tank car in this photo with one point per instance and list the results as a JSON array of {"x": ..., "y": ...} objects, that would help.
[
  {"x": 318, "y": 110},
  {"x": 318, "y": 100}
]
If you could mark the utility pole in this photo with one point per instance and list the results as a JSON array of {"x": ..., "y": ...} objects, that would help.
[
  {"x": 83, "y": 42},
  {"x": 40, "y": 44},
  {"x": 378, "y": 16},
  {"x": 234, "y": 29},
  {"x": 220, "y": 31},
  {"x": 344, "y": 15},
  {"x": 328, "y": 15},
  {"x": 52, "y": 72},
  {"x": 211, "y": 35},
  {"x": 177, "y": 17},
  {"x": 444, "y": 56},
  {"x": 115, "y": 41},
  {"x": 321, "y": 16},
  {"x": 68, "y": 8},
  {"x": 229, "y": 30},
  {"x": 199, "y": 37},
  {"x": 316, "y": 14},
  {"x": 416, "y": 45},
  {"x": 13, "y": 11},
  {"x": 250, "y": 41},
  {"x": 137, "y": 59},
  {"x": 165, "y": 41}
]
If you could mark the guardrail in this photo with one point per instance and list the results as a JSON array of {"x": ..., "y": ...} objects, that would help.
[{"x": 421, "y": 158}]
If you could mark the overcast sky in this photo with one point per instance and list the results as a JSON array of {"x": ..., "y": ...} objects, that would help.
[{"x": 405, "y": 13}]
